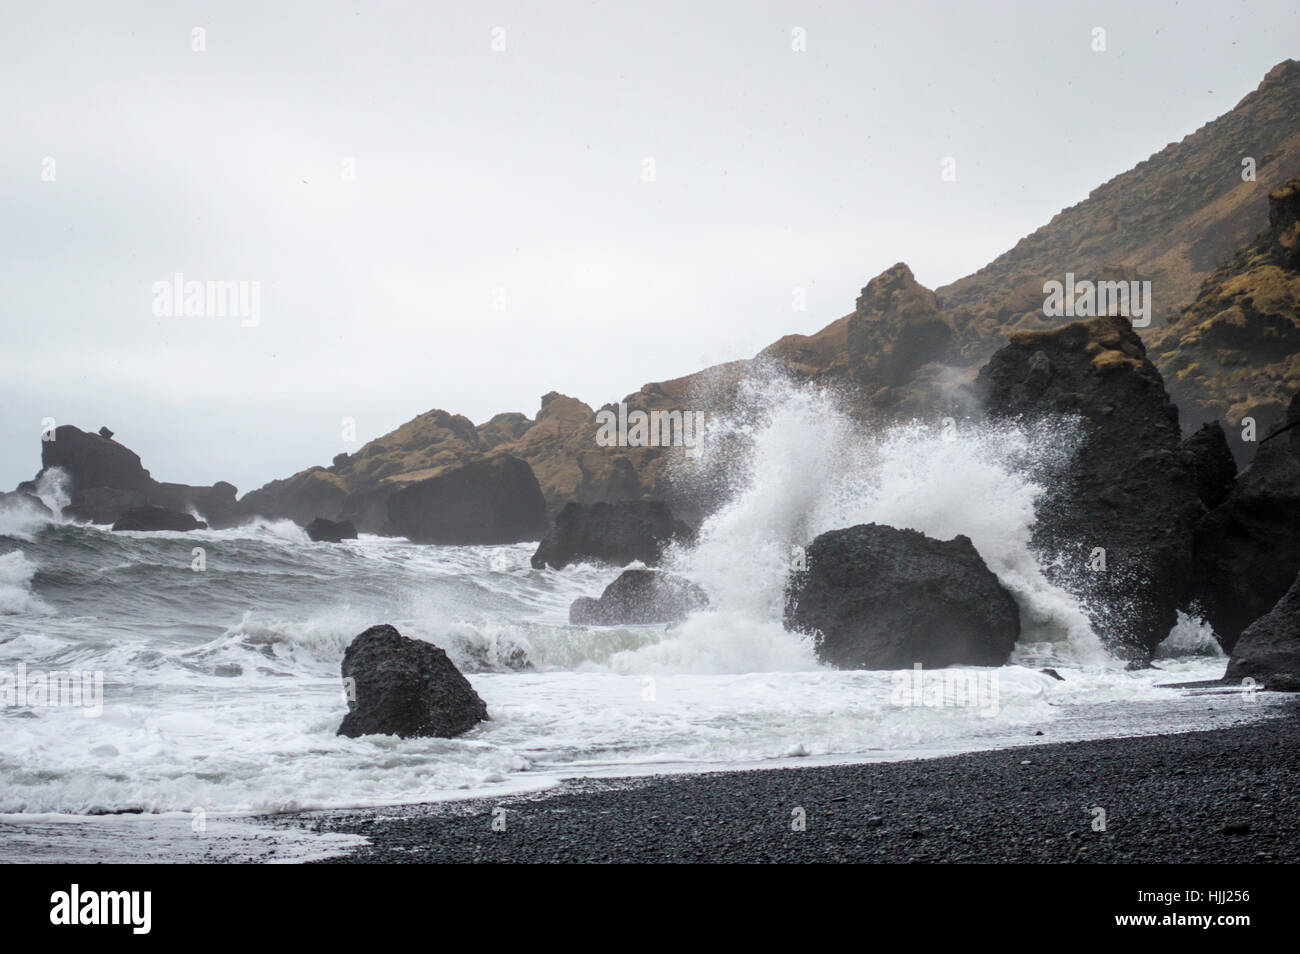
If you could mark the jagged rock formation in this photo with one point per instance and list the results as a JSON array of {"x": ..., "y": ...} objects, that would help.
[
  {"x": 107, "y": 479},
  {"x": 490, "y": 501},
  {"x": 883, "y": 598},
  {"x": 1247, "y": 549},
  {"x": 405, "y": 687},
  {"x": 1235, "y": 351},
  {"x": 1269, "y": 650},
  {"x": 1130, "y": 488},
  {"x": 640, "y": 597},
  {"x": 616, "y": 533}
]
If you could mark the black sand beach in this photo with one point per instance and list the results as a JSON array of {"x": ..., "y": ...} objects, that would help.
[{"x": 1222, "y": 796}]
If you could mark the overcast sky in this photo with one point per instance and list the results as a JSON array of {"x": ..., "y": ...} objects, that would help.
[{"x": 501, "y": 237}]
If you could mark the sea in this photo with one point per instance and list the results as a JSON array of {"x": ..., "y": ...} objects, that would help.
[{"x": 217, "y": 652}]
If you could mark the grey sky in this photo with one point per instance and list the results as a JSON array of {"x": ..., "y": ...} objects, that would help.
[{"x": 520, "y": 172}]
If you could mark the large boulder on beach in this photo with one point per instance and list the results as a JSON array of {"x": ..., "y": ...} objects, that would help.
[
  {"x": 405, "y": 687},
  {"x": 1114, "y": 525},
  {"x": 322, "y": 530},
  {"x": 640, "y": 597},
  {"x": 884, "y": 598},
  {"x": 1269, "y": 650},
  {"x": 1247, "y": 549},
  {"x": 157, "y": 518},
  {"x": 619, "y": 533},
  {"x": 491, "y": 501}
]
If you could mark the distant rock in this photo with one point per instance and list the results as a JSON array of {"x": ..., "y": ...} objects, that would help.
[
  {"x": 300, "y": 498},
  {"x": 405, "y": 687},
  {"x": 21, "y": 500},
  {"x": 896, "y": 328},
  {"x": 1129, "y": 490},
  {"x": 106, "y": 480},
  {"x": 1212, "y": 463},
  {"x": 1269, "y": 650},
  {"x": 490, "y": 501},
  {"x": 640, "y": 597},
  {"x": 157, "y": 518},
  {"x": 883, "y": 598},
  {"x": 1247, "y": 549},
  {"x": 615, "y": 533},
  {"x": 94, "y": 461},
  {"x": 330, "y": 531}
]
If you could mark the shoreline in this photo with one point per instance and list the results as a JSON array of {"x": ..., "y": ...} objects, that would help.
[{"x": 1225, "y": 795}]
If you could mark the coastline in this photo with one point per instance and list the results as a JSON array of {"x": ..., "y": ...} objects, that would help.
[{"x": 1223, "y": 795}]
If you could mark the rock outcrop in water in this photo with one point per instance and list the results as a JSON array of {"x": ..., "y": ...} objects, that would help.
[
  {"x": 157, "y": 518},
  {"x": 1115, "y": 527},
  {"x": 616, "y": 533},
  {"x": 640, "y": 597},
  {"x": 405, "y": 687},
  {"x": 1247, "y": 549},
  {"x": 107, "y": 479},
  {"x": 883, "y": 598},
  {"x": 1269, "y": 650},
  {"x": 490, "y": 501},
  {"x": 321, "y": 530}
]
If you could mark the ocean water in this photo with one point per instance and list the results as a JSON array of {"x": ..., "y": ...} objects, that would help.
[{"x": 221, "y": 691}]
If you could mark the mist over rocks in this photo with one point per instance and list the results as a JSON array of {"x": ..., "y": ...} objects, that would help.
[
  {"x": 640, "y": 597},
  {"x": 1247, "y": 549},
  {"x": 405, "y": 687},
  {"x": 885, "y": 598},
  {"x": 1269, "y": 650},
  {"x": 491, "y": 501},
  {"x": 1130, "y": 490},
  {"x": 628, "y": 531}
]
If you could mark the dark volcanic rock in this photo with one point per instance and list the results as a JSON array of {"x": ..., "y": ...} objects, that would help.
[
  {"x": 1129, "y": 489},
  {"x": 157, "y": 518},
  {"x": 883, "y": 598},
  {"x": 405, "y": 687},
  {"x": 300, "y": 498},
  {"x": 1269, "y": 650},
  {"x": 496, "y": 500},
  {"x": 639, "y": 597},
  {"x": 106, "y": 480},
  {"x": 1212, "y": 463},
  {"x": 94, "y": 461},
  {"x": 616, "y": 533},
  {"x": 330, "y": 531},
  {"x": 1247, "y": 549}
]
